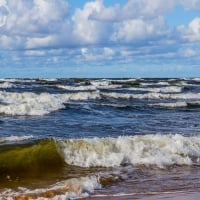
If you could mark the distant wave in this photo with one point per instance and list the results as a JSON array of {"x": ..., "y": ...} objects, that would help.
[
  {"x": 177, "y": 104},
  {"x": 6, "y": 85},
  {"x": 169, "y": 89},
  {"x": 151, "y": 95},
  {"x": 28, "y": 103},
  {"x": 44, "y": 96}
]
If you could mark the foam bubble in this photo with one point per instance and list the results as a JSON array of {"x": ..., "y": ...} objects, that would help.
[{"x": 159, "y": 150}]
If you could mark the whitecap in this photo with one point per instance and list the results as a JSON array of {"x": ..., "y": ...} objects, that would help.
[
  {"x": 158, "y": 150},
  {"x": 75, "y": 188},
  {"x": 27, "y": 103}
]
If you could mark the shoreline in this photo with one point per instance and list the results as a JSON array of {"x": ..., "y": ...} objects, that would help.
[{"x": 172, "y": 195}]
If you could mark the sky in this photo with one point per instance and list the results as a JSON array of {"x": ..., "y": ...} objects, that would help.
[{"x": 99, "y": 38}]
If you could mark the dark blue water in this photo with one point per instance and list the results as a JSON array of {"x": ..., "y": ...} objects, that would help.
[
  {"x": 111, "y": 115},
  {"x": 79, "y": 109}
]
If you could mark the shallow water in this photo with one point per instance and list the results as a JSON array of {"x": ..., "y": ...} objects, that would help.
[{"x": 99, "y": 138}]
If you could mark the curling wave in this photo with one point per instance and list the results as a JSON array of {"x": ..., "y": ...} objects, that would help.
[
  {"x": 30, "y": 158},
  {"x": 158, "y": 150}
]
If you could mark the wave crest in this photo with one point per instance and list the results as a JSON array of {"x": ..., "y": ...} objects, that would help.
[{"x": 159, "y": 150}]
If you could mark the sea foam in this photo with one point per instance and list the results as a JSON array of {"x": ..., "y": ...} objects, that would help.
[
  {"x": 75, "y": 188},
  {"x": 28, "y": 103},
  {"x": 158, "y": 150}
]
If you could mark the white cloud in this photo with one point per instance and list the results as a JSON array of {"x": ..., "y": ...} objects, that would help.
[
  {"x": 108, "y": 52},
  {"x": 4, "y": 11},
  {"x": 39, "y": 42},
  {"x": 35, "y": 53},
  {"x": 98, "y": 33},
  {"x": 191, "y": 4},
  {"x": 31, "y": 19},
  {"x": 96, "y": 54},
  {"x": 138, "y": 29},
  {"x": 133, "y": 9},
  {"x": 187, "y": 52},
  {"x": 191, "y": 32},
  {"x": 147, "y": 8},
  {"x": 87, "y": 30}
]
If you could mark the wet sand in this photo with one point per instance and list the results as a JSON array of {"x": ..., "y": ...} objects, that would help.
[{"x": 177, "y": 195}]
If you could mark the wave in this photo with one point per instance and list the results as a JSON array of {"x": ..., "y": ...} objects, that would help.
[
  {"x": 159, "y": 150},
  {"x": 28, "y": 103},
  {"x": 18, "y": 80},
  {"x": 147, "y": 150},
  {"x": 75, "y": 188},
  {"x": 15, "y": 138},
  {"x": 170, "y": 89},
  {"x": 6, "y": 85},
  {"x": 29, "y": 158},
  {"x": 177, "y": 104},
  {"x": 92, "y": 85},
  {"x": 76, "y": 88},
  {"x": 150, "y": 95}
]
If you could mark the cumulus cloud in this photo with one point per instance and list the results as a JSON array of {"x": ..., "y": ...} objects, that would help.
[
  {"x": 147, "y": 8},
  {"x": 187, "y": 52},
  {"x": 138, "y": 29},
  {"x": 133, "y": 9},
  {"x": 32, "y": 24},
  {"x": 35, "y": 20},
  {"x": 191, "y": 4},
  {"x": 191, "y": 32},
  {"x": 132, "y": 31},
  {"x": 4, "y": 11},
  {"x": 87, "y": 30},
  {"x": 96, "y": 54}
]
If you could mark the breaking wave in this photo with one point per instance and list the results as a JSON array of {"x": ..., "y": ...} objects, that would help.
[
  {"x": 146, "y": 150},
  {"x": 159, "y": 150},
  {"x": 151, "y": 95},
  {"x": 28, "y": 103},
  {"x": 6, "y": 85},
  {"x": 36, "y": 158},
  {"x": 75, "y": 188},
  {"x": 169, "y": 89},
  {"x": 177, "y": 104}
]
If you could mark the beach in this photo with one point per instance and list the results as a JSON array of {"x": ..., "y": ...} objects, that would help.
[{"x": 99, "y": 139}]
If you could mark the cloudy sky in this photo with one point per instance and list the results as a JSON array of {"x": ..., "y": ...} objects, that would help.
[{"x": 85, "y": 38}]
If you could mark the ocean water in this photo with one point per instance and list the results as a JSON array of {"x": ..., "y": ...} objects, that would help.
[{"x": 99, "y": 138}]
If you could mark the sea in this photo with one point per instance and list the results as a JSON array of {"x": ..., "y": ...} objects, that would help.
[{"x": 100, "y": 139}]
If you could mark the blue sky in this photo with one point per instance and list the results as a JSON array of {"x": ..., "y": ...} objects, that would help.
[{"x": 125, "y": 38}]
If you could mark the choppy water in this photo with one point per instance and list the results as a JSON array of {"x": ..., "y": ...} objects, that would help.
[{"x": 74, "y": 138}]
